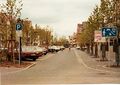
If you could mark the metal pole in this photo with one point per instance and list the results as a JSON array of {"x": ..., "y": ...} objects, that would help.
[
  {"x": 103, "y": 48},
  {"x": 20, "y": 50},
  {"x": 117, "y": 53}
]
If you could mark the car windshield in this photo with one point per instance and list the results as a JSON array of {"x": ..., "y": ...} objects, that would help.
[{"x": 28, "y": 49}]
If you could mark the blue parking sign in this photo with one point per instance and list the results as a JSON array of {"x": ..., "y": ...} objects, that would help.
[
  {"x": 109, "y": 32},
  {"x": 18, "y": 26}
]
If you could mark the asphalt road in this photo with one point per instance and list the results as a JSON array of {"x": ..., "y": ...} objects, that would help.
[{"x": 64, "y": 67}]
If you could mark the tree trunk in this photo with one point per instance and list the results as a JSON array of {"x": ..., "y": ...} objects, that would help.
[
  {"x": 96, "y": 50},
  {"x": 91, "y": 49},
  {"x": 88, "y": 48}
]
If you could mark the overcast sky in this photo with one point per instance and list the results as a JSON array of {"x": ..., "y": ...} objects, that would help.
[{"x": 61, "y": 15}]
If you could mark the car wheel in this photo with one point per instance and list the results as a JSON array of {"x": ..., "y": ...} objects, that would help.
[{"x": 34, "y": 59}]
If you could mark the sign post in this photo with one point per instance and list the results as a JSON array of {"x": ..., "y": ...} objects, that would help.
[
  {"x": 19, "y": 35},
  {"x": 112, "y": 32}
]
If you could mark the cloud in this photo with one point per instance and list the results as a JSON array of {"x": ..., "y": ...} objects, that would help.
[
  {"x": 62, "y": 15},
  {"x": 46, "y": 20}
]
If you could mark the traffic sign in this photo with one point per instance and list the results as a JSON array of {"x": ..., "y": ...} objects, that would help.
[
  {"x": 19, "y": 33},
  {"x": 98, "y": 36},
  {"x": 109, "y": 32},
  {"x": 18, "y": 26}
]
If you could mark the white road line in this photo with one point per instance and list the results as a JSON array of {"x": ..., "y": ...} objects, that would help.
[{"x": 81, "y": 61}]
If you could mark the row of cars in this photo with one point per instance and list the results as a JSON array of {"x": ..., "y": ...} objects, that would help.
[
  {"x": 34, "y": 52},
  {"x": 55, "y": 48},
  {"x": 29, "y": 52},
  {"x": 81, "y": 48}
]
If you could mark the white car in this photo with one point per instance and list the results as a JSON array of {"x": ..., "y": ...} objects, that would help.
[
  {"x": 54, "y": 48},
  {"x": 62, "y": 47},
  {"x": 78, "y": 47},
  {"x": 44, "y": 50}
]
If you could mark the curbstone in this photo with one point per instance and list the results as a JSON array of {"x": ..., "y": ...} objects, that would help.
[{"x": 20, "y": 69}]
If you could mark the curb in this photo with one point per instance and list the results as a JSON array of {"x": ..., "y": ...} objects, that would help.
[
  {"x": 99, "y": 70},
  {"x": 33, "y": 64},
  {"x": 22, "y": 69}
]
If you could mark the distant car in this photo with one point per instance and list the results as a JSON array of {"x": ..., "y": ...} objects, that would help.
[
  {"x": 50, "y": 49},
  {"x": 78, "y": 47},
  {"x": 54, "y": 48},
  {"x": 62, "y": 48}
]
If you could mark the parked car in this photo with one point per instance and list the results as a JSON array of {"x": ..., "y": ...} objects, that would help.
[
  {"x": 39, "y": 51},
  {"x": 50, "y": 49},
  {"x": 62, "y": 48},
  {"x": 78, "y": 47},
  {"x": 30, "y": 52},
  {"x": 54, "y": 48},
  {"x": 44, "y": 50}
]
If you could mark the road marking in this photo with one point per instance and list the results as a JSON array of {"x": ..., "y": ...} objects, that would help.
[{"x": 81, "y": 61}]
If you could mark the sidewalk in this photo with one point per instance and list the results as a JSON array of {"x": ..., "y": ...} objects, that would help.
[
  {"x": 95, "y": 63},
  {"x": 110, "y": 55}
]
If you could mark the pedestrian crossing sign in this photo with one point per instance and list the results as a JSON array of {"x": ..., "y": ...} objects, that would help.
[{"x": 109, "y": 32}]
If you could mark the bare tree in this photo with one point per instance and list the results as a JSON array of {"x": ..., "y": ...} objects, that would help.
[{"x": 12, "y": 10}]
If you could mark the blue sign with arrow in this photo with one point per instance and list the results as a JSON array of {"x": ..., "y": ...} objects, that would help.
[
  {"x": 18, "y": 26},
  {"x": 109, "y": 32}
]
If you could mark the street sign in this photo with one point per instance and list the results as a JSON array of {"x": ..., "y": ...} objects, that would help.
[
  {"x": 18, "y": 26},
  {"x": 98, "y": 36},
  {"x": 18, "y": 33},
  {"x": 18, "y": 30},
  {"x": 109, "y": 32}
]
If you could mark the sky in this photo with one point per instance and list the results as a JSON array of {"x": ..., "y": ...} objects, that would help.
[{"x": 61, "y": 15}]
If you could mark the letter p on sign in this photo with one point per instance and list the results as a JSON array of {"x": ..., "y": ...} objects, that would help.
[{"x": 18, "y": 26}]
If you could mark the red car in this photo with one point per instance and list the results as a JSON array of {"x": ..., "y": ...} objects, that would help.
[
  {"x": 28, "y": 52},
  {"x": 32, "y": 52}
]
